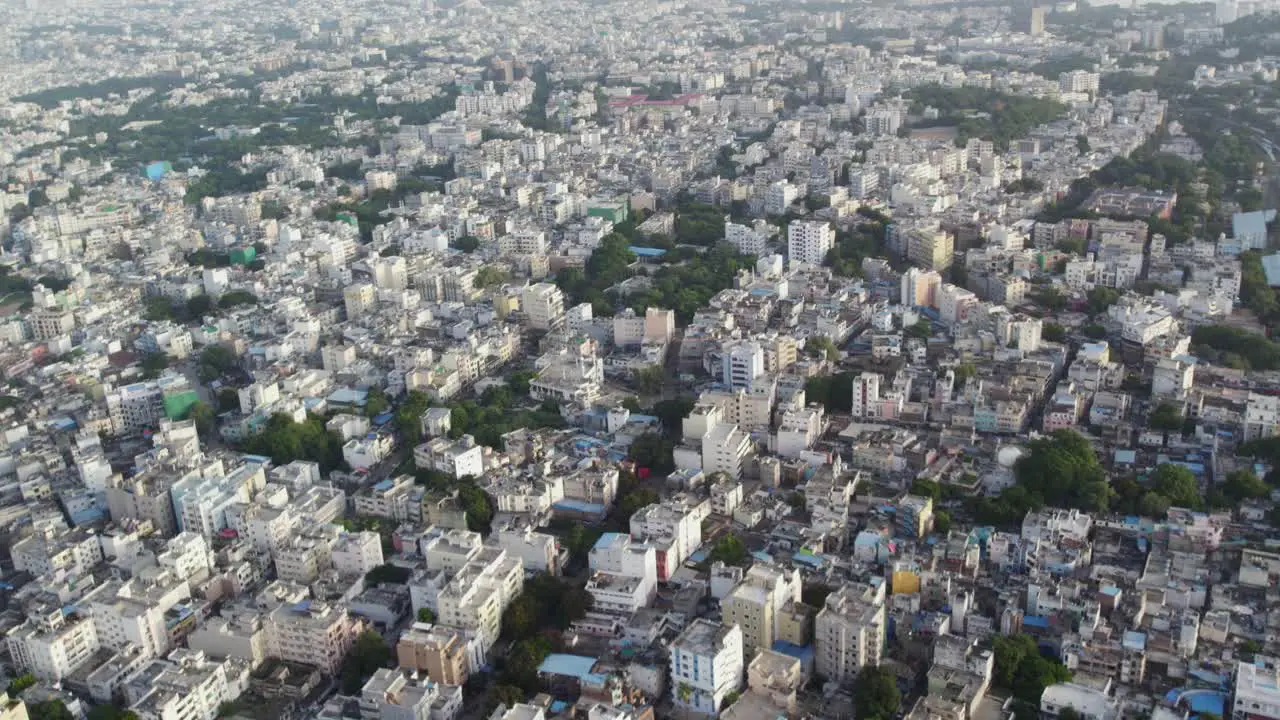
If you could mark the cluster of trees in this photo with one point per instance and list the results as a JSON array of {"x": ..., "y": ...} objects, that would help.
[
  {"x": 876, "y": 694},
  {"x": 472, "y": 498},
  {"x": 1235, "y": 348},
  {"x": 222, "y": 180},
  {"x": 698, "y": 224},
  {"x": 546, "y": 605},
  {"x": 49, "y": 99},
  {"x": 1061, "y": 470},
  {"x": 853, "y": 246},
  {"x": 653, "y": 451},
  {"x": 730, "y": 550},
  {"x": 387, "y": 574},
  {"x": 1024, "y": 185},
  {"x": 216, "y": 361},
  {"x": 496, "y": 414},
  {"x": 1022, "y": 670},
  {"x": 688, "y": 286},
  {"x": 1256, "y": 293},
  {"x": 368, "y": 653},
  {"x": 986, "y": 114},
  {"x": 284, "y": 440},
  {"x": 609, "y": 264},
  {"x": 835, "y": 392}
]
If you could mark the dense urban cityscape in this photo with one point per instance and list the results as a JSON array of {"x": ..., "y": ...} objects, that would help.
[{"x": 540, "y": 360}]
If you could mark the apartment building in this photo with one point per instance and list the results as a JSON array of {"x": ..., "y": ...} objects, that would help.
[
  {"x": 50, "y": 644},
  {"x": 931, "y": 249},
  {"x": 758, "y": 603},
  {"x": 809, "y": 242},
  {"x": 543, "y": 305},
  {"x": 355, "y": 554},
  {"x": 706, "y": 665},
  {"x": 850, "y": 631},
  {"x": 408, "y": 695},
  {"x": 438, "y": 651},
  {"x": 191, "y": 686},
  {"x": 625, "y": 574},
  {"x": 674, "y": 532},
  {"x": 312, "y": 632},
  {"x": 477, "y": 595},
  {"x": 726, "y": 449}
]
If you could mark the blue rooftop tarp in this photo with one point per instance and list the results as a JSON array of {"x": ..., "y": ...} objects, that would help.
[
  {"x": 1036, "y": 621},
  {"x": 576, "y": 666},
  {"x": 647, "y": 251},
  {"x": 800, "y": 652}
]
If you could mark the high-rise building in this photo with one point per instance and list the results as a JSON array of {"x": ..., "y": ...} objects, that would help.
[
  {"x": 706, "y": 665},
  {"x": 931, "y": 249},
  {"x": 543, "y": 305},
  {"x": 757, "y": 605},
  {"x": 741, "y": 364},
  {"x": 866, "y": 394},
  {"x": 850, "y": 631},
  {"x": 920, "y": 288},
  {"x": 809, "y": 242},
  {"x": 359, "y": 299}
]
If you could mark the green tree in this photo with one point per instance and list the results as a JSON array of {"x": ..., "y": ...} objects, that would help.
[
  {"x": 376, "y": 402},
  {"x": 1178, "y": 484},
  {"x": 876, "y": 695},
  {"x": 649, "y": 379},
  {"x": 20, "y": 683},
  {"x": 491, "y": 276},
  {"x": 942, "y": 522},
  {"x": 158, "y": 308},
  {"x": 110, "y": 711},
  {"x": 965, "y": 371},
  {"x": 204, "y": 418},
  {"x": 228, "y": 400},
  {"x": 1020, "y": 668},
  {"x": 154, "y": 364},
  {"x": 235, "y": 298},
  {"x": 467, "y": 243},
  {"x": 1166, "y": 417},
  {"x": 49, "y": 710},
  {"x": 1241, "y": 485},
  {"x": 478, "y": 506},
  {"x": 925, "y": 487},
  {"x": 199, "y": 306},
  {"x": 425, "y": 615},
  {"x": 1062, "y": 470},
  {"x": 1082, "y": 144},
  {"x": 408, "y": 416},
  {"x": 216, "y": 361},
  {"x": 1153, "y": 505},
  {"x": 730, "y": 550},
  {"x": 386, "y": 573},
  {"x": 821, "y": 347},
  {"x": 508, "y": 695},
  {"x": 1100, "y": 298},
  {"x": 654, "y": 452},
  {"x": 369, "y": 652},
  {"x": 1053, "y": 332}
]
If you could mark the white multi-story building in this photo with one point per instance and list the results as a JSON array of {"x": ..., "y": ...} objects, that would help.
[
  {"x": 1079, "y": 81},
  {"x": 192, "y": 686},
  {"x": 808, "y": 242},
  {"x": 748, "y": 240},
  {"x": 459, "y": 458},
  {"x": 706, "y": 665},
  {"x": 674, "y": 531},
  {"x": 866, "y": 395},
  {"x": 779, "y": 196},
  {"x": 616, "y": 560},
  {"x": 359, "y": 299},
  {"x": 477, "y": 595},
  {"x": 756, "y": 604},
  {"x": 311, "y": 632},
  {"x": 133, "y": 612},
  {"x": 1261, "y": 417},
  {"x": 523, "y": 242},
  {"x": 355, "y": 554},
  {"x": 798, "y": 430},
  {"x": 51, "y": 553},
  {"x": 390, "y": 273},
  {"x": 850, "y": 631},
  {"x": 1257, "y": 695},
  {"x": 543, "y": 305},
  {"x": 741, "y": 364},
  {"x": 726, "y": 449},
  {"x": 51, "y": 645},
  {"x": 407, "y": 695}
]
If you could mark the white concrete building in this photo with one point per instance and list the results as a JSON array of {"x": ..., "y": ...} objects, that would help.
[
  {"x": 726, "y": 449},
  {"x": 706, "y": 665},
  {"x": 808, "y": 242}
]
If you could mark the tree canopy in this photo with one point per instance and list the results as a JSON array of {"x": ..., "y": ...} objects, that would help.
[
  {"x": 368, "y": 653},
  {"x": 876, "y": 694},
  {"x": 1020, "y": 668}
]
